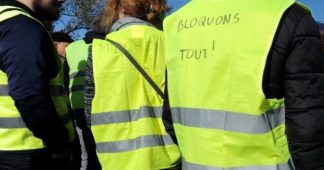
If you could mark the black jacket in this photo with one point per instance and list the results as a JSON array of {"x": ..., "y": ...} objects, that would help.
[{"x": 295, "y": 71}]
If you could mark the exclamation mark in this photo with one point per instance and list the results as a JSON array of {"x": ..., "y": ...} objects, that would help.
[{"x": 213, "y": 48}]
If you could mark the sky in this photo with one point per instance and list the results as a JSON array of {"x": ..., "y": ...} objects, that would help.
[
  {"x": 317, "y": 7},
  {"x": 175, "y": 4}
]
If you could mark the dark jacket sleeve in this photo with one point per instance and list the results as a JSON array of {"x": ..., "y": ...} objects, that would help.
[
  {"x": 89, "y": 90},
  {"x": 295, "y": 71},
  {"x": 28, "y": 61}
]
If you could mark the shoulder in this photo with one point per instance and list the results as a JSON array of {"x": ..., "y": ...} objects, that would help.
[
  {"x": 23, "y": 27},
  {"x": 27, "y": 35},
  {"x": 295, "y": 20},
  {"x": 296, "y": 12},
  {"x": 77, "y": 44}
]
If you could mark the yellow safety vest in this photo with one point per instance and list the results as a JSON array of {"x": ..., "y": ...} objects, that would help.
[
  {"x": 216, "y": 52},
  {"x": 14, "y": 134},
  {"x": 126, "y": 111},
  {"x": 76, "y": 57}
]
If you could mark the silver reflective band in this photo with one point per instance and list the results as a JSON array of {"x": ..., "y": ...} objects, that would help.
[
  {"x": 191, "y": 166},
  {"x": 77, "y": 74},
  {"x": 57, "y": 91},
  {"x": 17, "y": 122},
  {"x": 229, "y": 121},
  {"x": 126, "y": 116},
  {"x": 4, "y": 90},
  {"x": 77, "y": 88},
  {"x": 138, "y": 143},
  {"x": 11, "y": 123}
]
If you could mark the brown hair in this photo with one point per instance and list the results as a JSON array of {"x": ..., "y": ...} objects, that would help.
[{"x": 152, "y": 11}]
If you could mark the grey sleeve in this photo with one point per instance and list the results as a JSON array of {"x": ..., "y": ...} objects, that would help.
[{"x": 89, "y": 90}]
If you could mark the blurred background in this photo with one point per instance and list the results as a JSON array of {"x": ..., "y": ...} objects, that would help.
[{"x": 78, "y": 15}]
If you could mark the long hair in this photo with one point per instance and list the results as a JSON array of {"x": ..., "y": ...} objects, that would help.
[{"x": 152, "y": 11}]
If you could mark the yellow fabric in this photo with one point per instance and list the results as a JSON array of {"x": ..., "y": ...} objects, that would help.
[
  {"x": 215, "y": 60},
  {"x": 22, "y": 138},
  {"x": 229, "y": 149},
  {"x": 146, "y": 159},
  {"x": 142, "y": 127},
  {"x": 133, "y": 92},
  {"x": 120, "y": 87},
  {"x": 76, "y": 57}
]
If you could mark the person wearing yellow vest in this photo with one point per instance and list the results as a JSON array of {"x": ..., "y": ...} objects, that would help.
[
  {"x": 245, "y": 85},
  {"x": 36, "y": 130},
  {"x": 76, "y": 60},
  {"x": 126, "y": 110}
]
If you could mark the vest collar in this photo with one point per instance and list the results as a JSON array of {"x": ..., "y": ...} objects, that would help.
[
  {"x": 19, "y": 5},
  {"x": 128, "y": 21}
]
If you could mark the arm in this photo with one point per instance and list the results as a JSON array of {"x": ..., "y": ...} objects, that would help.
[
  {"x": 29, "y": 67},
  {"x": 304, "y": 89},
  {"x": 89, "y": 89},
  {"x": 298, "y": 55}
]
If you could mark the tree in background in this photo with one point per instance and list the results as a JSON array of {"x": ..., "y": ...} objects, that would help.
[{"x": 77, "y": 16}]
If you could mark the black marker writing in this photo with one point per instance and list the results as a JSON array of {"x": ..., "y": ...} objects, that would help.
[
  {"x": 193, "y": 54},
  {"x": 204, "y": 21}
]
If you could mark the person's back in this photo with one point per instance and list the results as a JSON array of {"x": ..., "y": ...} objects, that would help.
[
  {"x": 222, "y": 115},
  {"x": 36, "y": 129},
  {"x": 131, "y": 103},
  {"x": 126, "y": 110}
]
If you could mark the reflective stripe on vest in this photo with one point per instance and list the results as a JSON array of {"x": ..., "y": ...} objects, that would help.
[
  {"x": 187, "y": 165},
  {"x": 134, "y": 144},
  {"x": 215, "y": 61},
  {"x": 126, "y": 111},
  {"x": 54, "y": 90},
  {"x": 130, "y": 116},
  {"x": 17, "y": 122},
  {"x": 76, "y": 57},
  {"x": 4, "y": 90},
  {"x": 126, "y": 116},
  {"x": 14, "y": 122},
  {"x": 13, "y": 131},
  {"x": 229, "y": 121}
]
